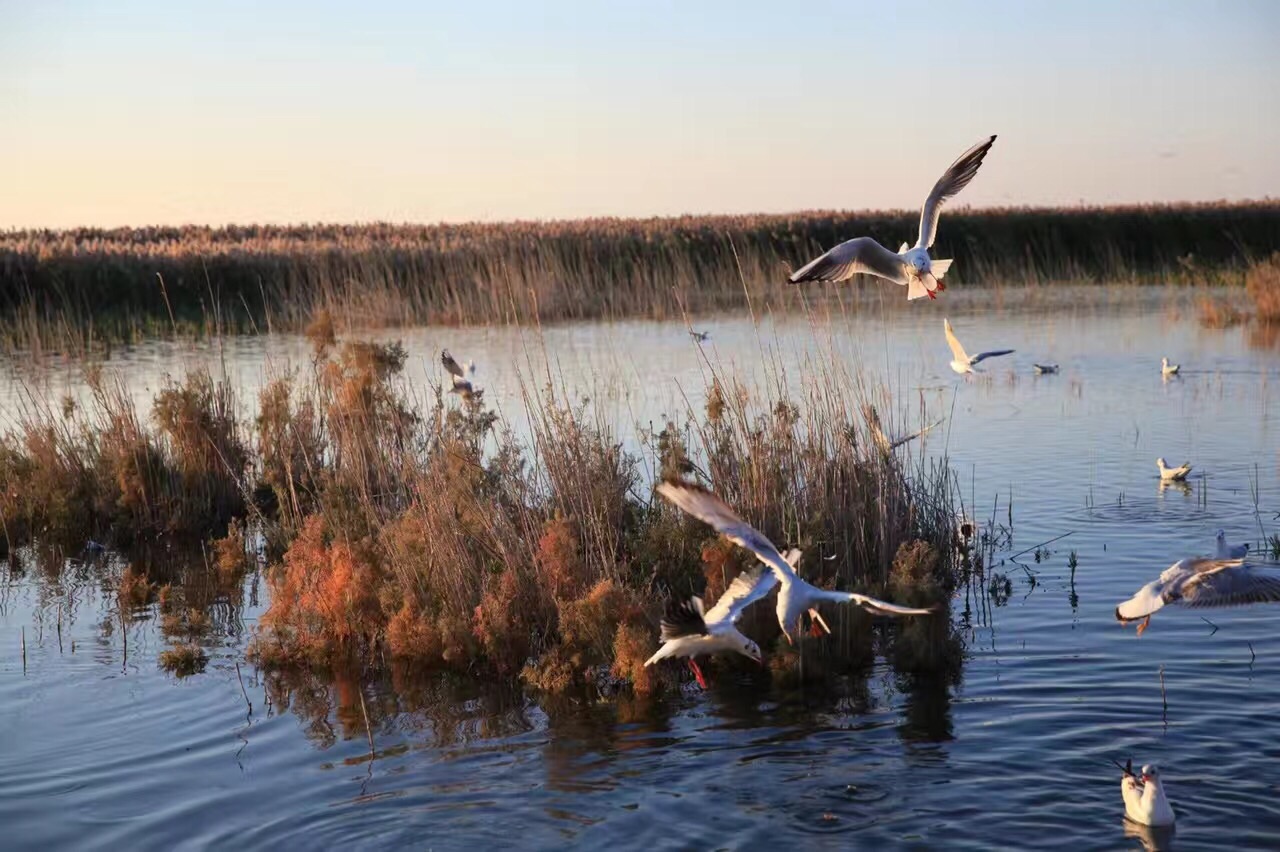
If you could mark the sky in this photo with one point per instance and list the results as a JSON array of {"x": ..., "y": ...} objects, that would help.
[{"x": 136, "y": 113}]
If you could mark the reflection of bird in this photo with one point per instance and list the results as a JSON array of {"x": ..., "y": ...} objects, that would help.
[
  {"x": 912, "y": 268},
  {"x": 962, "y": 362},
  {"x": 1230, "y": 551},
  {"x": 1144, "y": 800},
  {"x": 1167, "y": 369},
  {"x": 1045, "y": 369},
  {"x": 1199, "y": 581},
  {"x": 1172, "y": 474},
  {"x": 700, "y": 336},
  {"x": 688, "y": 631},
  {"x": 461, "y": 382},
  {"x": 796, "y": 596}
]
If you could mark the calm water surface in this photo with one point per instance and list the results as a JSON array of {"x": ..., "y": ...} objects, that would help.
[{"x": 100, "y": 749}]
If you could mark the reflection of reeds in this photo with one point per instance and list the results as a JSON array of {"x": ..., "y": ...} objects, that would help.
[
  {"x": 91, "y": 283},
  {"x": 438, "y": 538}
]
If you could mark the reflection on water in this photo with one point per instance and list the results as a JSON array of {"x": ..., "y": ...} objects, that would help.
[{"x": 101, "y": 748}]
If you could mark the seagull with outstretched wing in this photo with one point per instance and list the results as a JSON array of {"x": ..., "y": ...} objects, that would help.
[
  {"x": 910, "y": 267},
  {"x": 1199, "y": 581},
  {"x": 961, "y": 361},
  {"x": 796, "y": 596}
]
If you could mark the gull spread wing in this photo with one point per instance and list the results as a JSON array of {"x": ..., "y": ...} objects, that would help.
[
  {"x": 954, "y": 179},
  {"x": 710, "y": 509},
  {"x": 861, "y": 254},
  {"x": 451, "y": 365},
  {"x": 1230, "y": 582},
  {"x": 746, "y": 588},
  {"x": 884, "y": 607},
  {"x": 957, "y": 350},
  {"x": 982, "y": 356}
]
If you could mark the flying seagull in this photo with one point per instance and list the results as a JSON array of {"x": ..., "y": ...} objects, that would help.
[
  {"x": 461, "y": 381},
  {"x": 1172, "y": 474},
  {"x": 1144, "y": 800},
  {"x": 1230, "y": 551},
  {"x": 796, "y": 596},
  {"x": 962, "y": 362},
  {"x": 1167, "y": 369},
  {"x": 689, "y": 631},
  {"x": 912, "y": 268},
  {"x": 1199, "y": 581}
]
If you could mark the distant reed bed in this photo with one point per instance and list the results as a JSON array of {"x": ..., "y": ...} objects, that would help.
[
  {"x": 126, "y": 283},
  {"x": 424, "y": 531}
]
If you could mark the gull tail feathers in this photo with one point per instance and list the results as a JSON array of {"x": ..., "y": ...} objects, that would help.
[
  {"x": 916, "y": 289},
  {"x": 939, "y": 267}
]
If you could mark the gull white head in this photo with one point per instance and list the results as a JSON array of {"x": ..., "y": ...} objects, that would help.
[
  {"x": 748, "y": 648},
  {"x": 1150, "y": 774}
]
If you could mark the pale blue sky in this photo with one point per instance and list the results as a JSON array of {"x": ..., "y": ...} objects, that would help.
[{"x": 166, "y": 112}]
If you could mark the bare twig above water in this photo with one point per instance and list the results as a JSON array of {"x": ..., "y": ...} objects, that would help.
[
  {"x": 1040, "y": 545},
  {"x": 1211, "y": 624},
  {"x": 243, "y": 692}
]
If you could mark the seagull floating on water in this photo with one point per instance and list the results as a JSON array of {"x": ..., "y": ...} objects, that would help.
[
  {"x": 961, "y": 362},
  {"x": 912, "y": 268},
  {"x": 1199, "y": 581},
  {"x": 1167, "y": 369},
  {"x": 689, "y": 631},
  {"x": 1172, "y": 474},
  {"x": 461, "y": 381},
  {"x": 796, "y": 596},
  {"x": 1045, "y": 369},
  {"x": 700, "y": 336},
  {"x": 1230, "y": 551},
  {"x": 1144, "y": 799}
]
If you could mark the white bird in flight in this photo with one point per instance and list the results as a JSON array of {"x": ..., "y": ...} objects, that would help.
[
  {"x": 962, "y": 362},
  {"x": 912, "y": 268},
  {"x": 1167, "y": 369},
  {"x": 1230, "y": 551},
  {"x": 1144, "y": 800},
  {"x": 689, "y": 631},
  {"x": 796, "y": 596},
  {"x": 1172, "y": 474},
  {"x": 461, "y": 378},
  {"x": 1199, "y": 581}
]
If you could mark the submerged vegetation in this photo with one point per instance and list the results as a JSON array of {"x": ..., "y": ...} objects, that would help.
[
  {"x": 426, "y": 533},
  {"x": 259, "y": 278}
]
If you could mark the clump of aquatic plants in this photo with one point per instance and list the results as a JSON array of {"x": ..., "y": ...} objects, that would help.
[
  {"x": 422, "y": 531},
  {"x": 1262, "y": 282}
]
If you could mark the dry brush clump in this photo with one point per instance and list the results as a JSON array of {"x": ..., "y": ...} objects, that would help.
[
  {"x": 54, "y": 284},
  {"x": 424, "y": 531},
  {"x": 1262, "y": 282}
]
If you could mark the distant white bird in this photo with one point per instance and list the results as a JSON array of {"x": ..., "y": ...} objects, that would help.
[
  {"x": 688, "y": 631},
  {"x": 1144, "y": 800},
  {"x": 1230, "y": 551},
  {"x": 461, "y": 381},
  {"x": 1045, "y": 369},
  {"x": 796, "y": 596},
  {"x": 962, "y": 362},
  {"x": 912, "y": 268},
  {"x": 1199, "y": 581},
  {"x": 1167, "y": 369},
  {"x": 1172, "y": 474}
]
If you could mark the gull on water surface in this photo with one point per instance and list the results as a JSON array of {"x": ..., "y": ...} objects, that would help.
[
  {"x": 1167, "y": 369},
  {"x": 689, "y": 631},
  {"x": 1144, "y": 799},
  {"x": 461, "y": 381},
  {"x": 1045, "y": 369},
  {"x": 962, "y": 362},
  {"x": 912, "y": 268},
  {"x": 796, "y": 596},
  {"x": 1199, "y": 581},
  {"x": 1230, "y": 551},
  {"x": 1172, "y": 474}
]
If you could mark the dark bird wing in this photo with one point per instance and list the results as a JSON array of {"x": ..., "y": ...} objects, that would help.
[
  {"x": 954, "y": 179},
  {"x": 1231, "y": 582},
  {"x": 683, "y": 618},
  {"x": 982, "y": 356},
  {"x": 451, "y": 365}
]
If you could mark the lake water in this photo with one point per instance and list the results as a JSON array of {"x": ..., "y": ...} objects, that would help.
[{"x": 99, "y": 748}]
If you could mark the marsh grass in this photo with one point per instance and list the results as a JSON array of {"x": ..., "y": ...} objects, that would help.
[
  {"x": 206, "y": 281},
  {"x": 1262, "y": 282},
  {"x": 421, "y": 529}
]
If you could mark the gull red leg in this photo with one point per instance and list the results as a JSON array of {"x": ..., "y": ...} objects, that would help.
[{"x": 697, "y": 672}]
